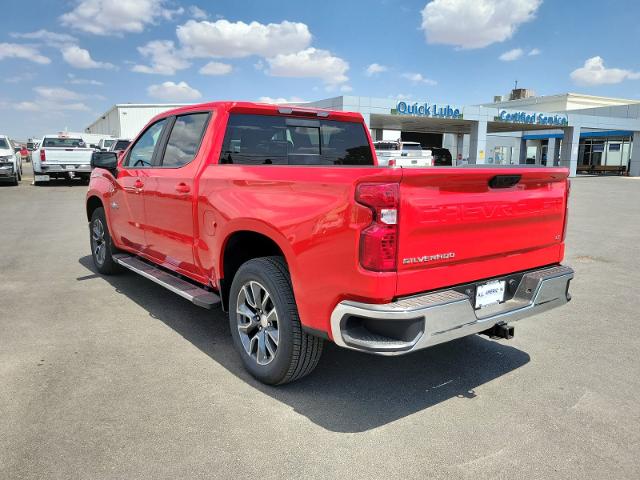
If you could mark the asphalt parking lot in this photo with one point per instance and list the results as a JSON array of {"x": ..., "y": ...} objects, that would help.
[{"x": 117, "y": 378}]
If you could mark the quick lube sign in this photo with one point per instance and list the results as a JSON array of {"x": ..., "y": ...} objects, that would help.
[
  {"x": 425, "y": 109},
  {"x": 532, "y": 118}
]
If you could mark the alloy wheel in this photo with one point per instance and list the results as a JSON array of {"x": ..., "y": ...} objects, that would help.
[
  {"x": 257, "y": 320},
  {"x": 98, "y": 241}
]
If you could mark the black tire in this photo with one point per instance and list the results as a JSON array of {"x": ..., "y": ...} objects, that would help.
[
  {"x": 103, "y": 256},
  {"x": 15, "y": 181},
  {"x": 297, "y": 353}
]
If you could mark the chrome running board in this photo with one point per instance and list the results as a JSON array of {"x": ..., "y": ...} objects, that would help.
[{"x": 196, "y": 295}]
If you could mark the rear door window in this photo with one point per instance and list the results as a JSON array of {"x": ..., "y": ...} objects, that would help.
[
  {"x": 185, "y": 139},
  {"x": 280, "y": 140}
]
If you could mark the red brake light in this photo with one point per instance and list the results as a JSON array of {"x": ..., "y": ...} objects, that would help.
[
  {"x": 392, "y": 162},
  {"x": 379, "y": 241},
  {"x": 566, "y": 210},
  {"x": 43, "y": 156}
]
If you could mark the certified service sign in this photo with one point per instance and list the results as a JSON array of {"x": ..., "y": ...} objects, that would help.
[
  {"x": 432, "y": 110},
  {"x": 532, "y": 118}
]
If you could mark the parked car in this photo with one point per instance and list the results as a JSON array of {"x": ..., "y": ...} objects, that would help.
[
  {"x": 105, "y": 144},
  {"x": 441, "y": 157},
  {"x": 61, "y": 156},
  {"x": 402, "y": 154},
  {"x": 10, "y": 161},
  {"x": 120, "y": 145},
  {"x": 280, "y": 216}
]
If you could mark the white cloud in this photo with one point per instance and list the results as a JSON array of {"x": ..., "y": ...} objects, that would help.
[
  {"x": 174, "y": 92},
  {"x": 593, "y": 72},
  {"x": 73, "y": 80},
  {"x": 280, "y": 100},
  {"x": 475, "y": 23},
  {"x": 346, "y": 88},
  {"x": 109, "y": 17},
  {"x": 52, "y": 39},
  {"x": 511, "y": 55},
  {"x": 22, "y": 77},
  {"x": 57, "y": 94},
  {"x": 238, "y": 39},
  {"x": 311, "y": 62},
  {"x": 80, "y": 58},
  {"x": 198, "y": 13},
  {"x": 53, "y": 100},
  {"x": 419, "y": 78},
  {"x": 534, "y": 51},
  {"x": 374, "y": 69},
  {"x": 27, "y": 52},
  {"x": 216, "y": 68},
  {"x": 165, "y": 58},
  {"x": 50, "y": 107}
]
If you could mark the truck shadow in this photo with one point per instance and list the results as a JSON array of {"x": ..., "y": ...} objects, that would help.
[{"x": 349, "y": 391}]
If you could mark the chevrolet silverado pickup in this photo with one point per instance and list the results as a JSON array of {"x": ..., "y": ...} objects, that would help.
[
  {"x": 281, "y": 216},
  {"x": 61, "y": 156}
]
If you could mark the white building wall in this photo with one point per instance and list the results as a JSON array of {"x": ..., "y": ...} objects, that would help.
[
  {"x": 126, "y": 121},
  {"x": 108, "y": 124},
  {"x": 133, "y": 119}
]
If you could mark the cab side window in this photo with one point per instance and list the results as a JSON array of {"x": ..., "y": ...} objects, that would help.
[
  {"x": 141, "y": 154},
  {"x": 185, "y": 139}
]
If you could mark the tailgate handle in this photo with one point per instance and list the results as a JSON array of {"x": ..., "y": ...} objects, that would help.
[{"x": 504, "y": 181}]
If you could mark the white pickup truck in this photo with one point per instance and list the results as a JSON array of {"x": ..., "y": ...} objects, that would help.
[
  {"x": 402, "y": 154},
  {"x": 61, "y": 156}
]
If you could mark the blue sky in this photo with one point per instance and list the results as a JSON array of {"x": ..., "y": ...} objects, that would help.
[{"x": 66, "y": 62}]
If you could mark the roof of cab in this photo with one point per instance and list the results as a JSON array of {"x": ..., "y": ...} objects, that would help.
[{"x": 266, "y": 109}]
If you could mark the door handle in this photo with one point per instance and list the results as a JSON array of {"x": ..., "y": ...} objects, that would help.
[
  {"x": 138, "y": 184},
  {"x": 183, "y": 188}
]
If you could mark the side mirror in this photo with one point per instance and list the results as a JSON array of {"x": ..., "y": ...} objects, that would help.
[{"x": 106, "y": 160}]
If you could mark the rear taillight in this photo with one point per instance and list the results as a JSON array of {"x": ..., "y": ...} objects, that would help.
[
  {"x": 392, "y": 162},
  {"x": 43, "y": 156},
  {"x": 379, "y": 241},
  {"x": 566, "y": 210}
]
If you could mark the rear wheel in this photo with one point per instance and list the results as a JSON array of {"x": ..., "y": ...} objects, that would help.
[
  {"x": 101, "y": 246},
  {"x": 265, "y": 325}
]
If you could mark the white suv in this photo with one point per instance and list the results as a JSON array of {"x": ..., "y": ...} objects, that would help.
[{"x": 10, "y": 161}]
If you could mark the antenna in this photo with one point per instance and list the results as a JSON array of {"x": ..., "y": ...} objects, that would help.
[{"x": 516, "y": 85}]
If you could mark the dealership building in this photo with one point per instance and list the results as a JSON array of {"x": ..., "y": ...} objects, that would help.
[{"x": 585, "y": 133}]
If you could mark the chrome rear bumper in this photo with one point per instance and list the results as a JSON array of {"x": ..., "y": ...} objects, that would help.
[{"x": 418, "y": 322}]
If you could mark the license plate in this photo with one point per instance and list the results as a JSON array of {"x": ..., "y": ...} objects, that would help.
[
  {"x": 490, "y": 293},
  {"x": 41, "y": 178}
]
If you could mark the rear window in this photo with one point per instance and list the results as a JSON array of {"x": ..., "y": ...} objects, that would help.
[
  {"x": 4, "y": 143},
  {"x": 386, "y": 146},
  {"x": 121, "y": 145},
  {"x": 63, "y": 142},
  {"x": 108, "y": 143},
  {"x": 411, "y": 146},
  {"x": 279, "y": 140}
]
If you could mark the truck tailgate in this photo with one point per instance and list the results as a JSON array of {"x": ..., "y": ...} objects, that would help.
[
  {"x": 61, "y": 155},
  {"x": 455, "y": 228}
]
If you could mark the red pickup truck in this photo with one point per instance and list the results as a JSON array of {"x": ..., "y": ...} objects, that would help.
[{"x": 282, "y": 217}]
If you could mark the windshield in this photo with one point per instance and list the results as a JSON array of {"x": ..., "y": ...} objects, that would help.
[
  {"x": 63, "y": 142},
  {"x": 4, "y": 143},
  {"x": 411, "y": 146}
]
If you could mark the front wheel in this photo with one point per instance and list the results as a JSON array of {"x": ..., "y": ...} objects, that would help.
[
  {"x": 265, "y": 325},
  {"x": 101, "y": 246}
]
